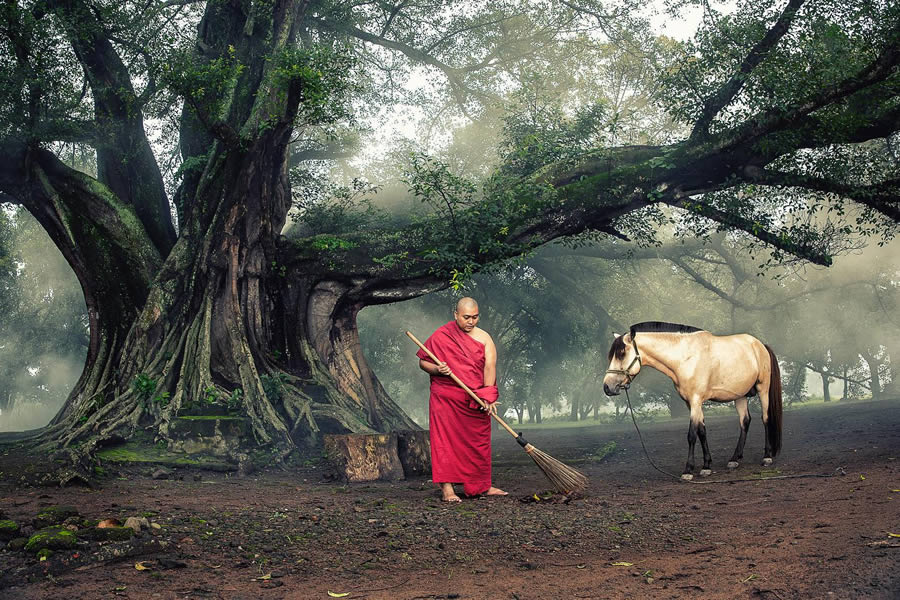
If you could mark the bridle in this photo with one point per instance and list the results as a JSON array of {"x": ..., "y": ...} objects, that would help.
[{"x": 627, "y": 370}]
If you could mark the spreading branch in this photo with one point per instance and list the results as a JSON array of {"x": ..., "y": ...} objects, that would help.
[{"x": 725, "y": 94}]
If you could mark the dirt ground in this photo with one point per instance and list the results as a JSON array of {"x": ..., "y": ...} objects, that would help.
[{"x": 634, "y": 533}]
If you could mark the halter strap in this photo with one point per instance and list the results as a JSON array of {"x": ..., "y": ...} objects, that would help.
[{"x": 627, "y": 370}]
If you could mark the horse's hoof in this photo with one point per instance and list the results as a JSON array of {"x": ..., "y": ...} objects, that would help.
[
  {"x": 705, "y": 472},
  {"x": 687, "y": 476},
  {"x": 733, "y": 464},
  {"x": 767, "y": 461}
]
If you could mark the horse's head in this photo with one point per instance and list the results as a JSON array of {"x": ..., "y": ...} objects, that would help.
[{"x": 624, "y": 364}]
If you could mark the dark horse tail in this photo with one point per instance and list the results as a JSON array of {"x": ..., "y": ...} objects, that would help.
[{"x": 773, "y": 427}]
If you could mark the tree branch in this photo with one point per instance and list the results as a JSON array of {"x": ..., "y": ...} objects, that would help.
[
  {"x": 883, "y": 196},
  {"x": 725, "y": 94},
  {"x": 802, "y": 249},
  {"x": 125, "y": 161},
  {"x": 880, "y": 69}
]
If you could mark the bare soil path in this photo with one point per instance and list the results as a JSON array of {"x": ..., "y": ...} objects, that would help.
[{"x": 635, "y": 533}]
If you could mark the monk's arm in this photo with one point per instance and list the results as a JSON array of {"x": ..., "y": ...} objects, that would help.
[{"x": 490, "y": 362}]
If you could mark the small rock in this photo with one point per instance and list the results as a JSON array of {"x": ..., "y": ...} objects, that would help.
[
  {"x": 198, "y": 477},
  {"x": 53, "y": 515},
  {"x": 106, "y": 534},
  {"x": 161, "y": 474},
  {"x": 54, "y": 538},
  {"x": 8, "y": 530},
  {"x": 134, "y": 523},
  {"x": 16, "y": 544},
  {"x": 245, "y": 465},
  {"x": 171, "y": 563}
]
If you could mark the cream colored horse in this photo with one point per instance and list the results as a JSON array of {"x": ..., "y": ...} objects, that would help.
[{"x": 703, "y": 367}]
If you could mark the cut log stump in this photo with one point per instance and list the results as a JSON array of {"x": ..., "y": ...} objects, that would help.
[
  {"x": 364, "y": 457},
  {"x": 414, "y": 449}
]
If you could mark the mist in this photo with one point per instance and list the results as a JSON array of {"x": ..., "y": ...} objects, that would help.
[
  {"x": 43, "y": 328},
  {"x": 553, "y": 319}
]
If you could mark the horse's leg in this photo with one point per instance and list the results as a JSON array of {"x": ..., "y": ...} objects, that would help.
[
  {"x": 707, "y": 457},
  {"x": 693, "y": 431},
  {"x": 764, "y": 401},
  {"x": 744, "y": 419}
]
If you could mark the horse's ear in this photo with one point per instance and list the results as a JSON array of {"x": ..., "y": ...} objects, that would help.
[{"x": 616, "y": 335}]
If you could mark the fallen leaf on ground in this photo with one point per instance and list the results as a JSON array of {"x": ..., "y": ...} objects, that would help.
[
  {"x": 893, "y": 534},
  {"x": 140, "y": 566},
  {"x": 336, "y": 595},
  {"x": 622, "y": 564},
  {"x": 265, "y": 577}
]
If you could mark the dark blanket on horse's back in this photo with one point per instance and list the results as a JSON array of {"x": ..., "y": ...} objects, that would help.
[{"x": 460, "y": 431}]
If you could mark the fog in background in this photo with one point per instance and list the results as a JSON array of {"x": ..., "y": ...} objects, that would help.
[
  {"x": 43, "y": 324},
  {"x": 553, "y": 314},
  {"x": 553, "y": 319}
]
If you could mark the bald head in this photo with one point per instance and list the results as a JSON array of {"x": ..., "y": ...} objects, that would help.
[
  {"x": 466, "y": 304},
  {"x": 466, "y": 314}
]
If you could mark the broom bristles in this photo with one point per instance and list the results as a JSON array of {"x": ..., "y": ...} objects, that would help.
[{"x": 564, "y": 478}]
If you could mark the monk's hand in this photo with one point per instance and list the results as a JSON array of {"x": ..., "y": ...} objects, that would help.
[
  {"x": 490, "y": 409},
  {"x": 443, "y": 369}
]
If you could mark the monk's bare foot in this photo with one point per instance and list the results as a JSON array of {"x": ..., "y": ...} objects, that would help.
[
  {"x": 496, "y": 492},
  {"x": 448, "y": 494}
]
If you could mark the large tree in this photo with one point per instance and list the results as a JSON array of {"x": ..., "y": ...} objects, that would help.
[{"x": 214, "y": 299}]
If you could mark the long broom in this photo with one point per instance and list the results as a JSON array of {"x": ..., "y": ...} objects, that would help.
[{"x": 564, "y": 478}]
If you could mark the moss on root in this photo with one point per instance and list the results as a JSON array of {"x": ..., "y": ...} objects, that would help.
[
  {"x": 140, "y": 453},
  {"x": 54, "y": 538}
]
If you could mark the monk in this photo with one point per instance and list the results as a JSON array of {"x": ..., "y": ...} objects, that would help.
[{"x": 460, "y": 429}]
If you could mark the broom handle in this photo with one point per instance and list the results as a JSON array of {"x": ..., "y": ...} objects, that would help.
[{"x": 464, "y": 386}]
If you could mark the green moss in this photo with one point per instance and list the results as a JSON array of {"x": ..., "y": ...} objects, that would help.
[
  {"x": 55, "y": 538},
  {"x": 53, "y": 515},
  {"x": 8, "y": 529},
  {"x": 142, "y": 453},
  {"x": 106, "y": 534}
]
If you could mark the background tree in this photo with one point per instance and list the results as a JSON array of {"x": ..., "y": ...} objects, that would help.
[{"x": 215, "y": 298}]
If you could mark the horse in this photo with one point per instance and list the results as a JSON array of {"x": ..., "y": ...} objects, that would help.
[{"x": 703, "y": 366}]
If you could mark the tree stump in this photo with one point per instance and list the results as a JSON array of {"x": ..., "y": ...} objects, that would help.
[
  {"x": 414, "y": 449},
  {"x": 364, "y": 457}
]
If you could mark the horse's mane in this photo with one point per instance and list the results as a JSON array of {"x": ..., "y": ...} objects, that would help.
[
  {"x": 618, "y": 346},
  {"x": 662, "y": 327}
]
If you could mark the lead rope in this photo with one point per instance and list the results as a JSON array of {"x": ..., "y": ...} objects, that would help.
[{"x": 837, "y": 471}]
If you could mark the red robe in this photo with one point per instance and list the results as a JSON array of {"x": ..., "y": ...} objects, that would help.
[{"x": 460, "y": 431}]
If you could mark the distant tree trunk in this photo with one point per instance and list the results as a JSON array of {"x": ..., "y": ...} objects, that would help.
[
  {"x": 826, "y": 392},
  {"x": 846, "y": 395},
  {"x": 576, "y": 408},
  {"x": 875, "y": 383}
]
